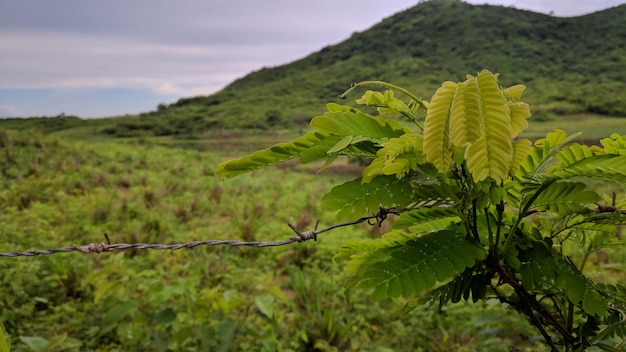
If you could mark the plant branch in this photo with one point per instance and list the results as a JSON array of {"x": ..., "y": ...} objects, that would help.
[{"x": 529, "y": 304}]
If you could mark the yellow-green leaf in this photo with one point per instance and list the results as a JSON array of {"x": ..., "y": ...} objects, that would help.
[
  {"x": 436, "y": 127},
  {"x": 466, "y": 114}
]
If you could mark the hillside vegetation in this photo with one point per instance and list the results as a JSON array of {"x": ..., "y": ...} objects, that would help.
[{"x": 571, "y": 66}]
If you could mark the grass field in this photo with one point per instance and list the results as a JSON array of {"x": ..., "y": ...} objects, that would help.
[
  {"x": 593, "y": 127},
  {"x": 74, "y": 185},
  {"x": 58, "y": 192}
]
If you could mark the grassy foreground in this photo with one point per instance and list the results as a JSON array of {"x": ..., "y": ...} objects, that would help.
[
  {"x": 60, "y": 192},
  {"x": 56, "y": 193}
]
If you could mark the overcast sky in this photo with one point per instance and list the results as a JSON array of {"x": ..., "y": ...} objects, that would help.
[{"x": 106, "y": 58}]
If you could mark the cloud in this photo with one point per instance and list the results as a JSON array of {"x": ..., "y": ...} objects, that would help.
[
  {"x": 562, "y": 8},
  {"x": 172, "y": 49},
  {"x": 49, "y": 60},
  {"x": 8, "y": 110}
]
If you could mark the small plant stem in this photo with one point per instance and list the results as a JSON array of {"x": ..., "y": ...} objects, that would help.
[
  {"x": 386, "y": 85},
  {"x": 500, "y": 209},
  {"x": 522, "y": 212},
  {"x": 570, "y": 315},
  {"x": 588, "y": 251},
  {"x": 475, "y": 221},
  {"x": 528, "y": 304},
  {"x": 491, "y": 240}
]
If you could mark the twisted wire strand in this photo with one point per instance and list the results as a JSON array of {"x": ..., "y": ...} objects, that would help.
[
  {"x": 299, "y": 237},
  {"x": 379, "y": 217}
]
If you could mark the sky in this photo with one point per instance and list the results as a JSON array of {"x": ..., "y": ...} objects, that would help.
[{"x": 116, "y": 57}]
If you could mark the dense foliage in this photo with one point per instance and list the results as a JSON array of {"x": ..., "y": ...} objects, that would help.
[
  {"x": 55, "y": 192},
  {"x": 483, "y": 214}
]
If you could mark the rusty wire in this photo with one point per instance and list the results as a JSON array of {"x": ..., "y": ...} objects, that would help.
[{"x": 379, "y": 217}]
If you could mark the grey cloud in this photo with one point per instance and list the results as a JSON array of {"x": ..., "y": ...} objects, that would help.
[
  {"x": 563, "y": 8},
  {"x": 184, "y": 46},
  {"x": 190, "y": 21}
]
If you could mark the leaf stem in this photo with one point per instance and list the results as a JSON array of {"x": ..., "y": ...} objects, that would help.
[
  {"x": 500, "y": 210},
  {"x": 523, "y": 210},
  {"x": 491, "y": 241},
  {"x": 386, "y": 85}
]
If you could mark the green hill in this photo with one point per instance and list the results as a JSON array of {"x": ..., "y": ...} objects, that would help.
[{"x": 570, "y": 65}]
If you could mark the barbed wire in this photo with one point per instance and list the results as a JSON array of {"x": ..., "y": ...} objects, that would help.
[{"x": 380, "y": 216}]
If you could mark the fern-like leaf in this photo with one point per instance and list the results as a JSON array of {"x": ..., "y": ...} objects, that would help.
[
  {"x": 521, "y": 149},
  {"x": 490, "y": 157},
  {"x": 398, "y": 157},
  {"x": 314, "y": 145},
  {"x": 436, "y": 128},
  {"x": 459, "y": 287},
  {"x": 342, "y": 121},
  {"x": 520, "y": 112},
  {"x": 363, "y": 252},
  {"x": 466, "y": 120},
  {"x": 354, "y": 199},
  {"x": 540, "y": 156},
  {"x": 615, "y": 144},
  {"x": 426, "y": 219},
  {"x": 385, "y": 103},
  {"x": 436, "y": 193},
  {"x": 574, "y": 153},
  {"x": 610, "y": 167},
  {"x": 514, "y": 93},
  {"x": 564, "y": 198},
  {"x": 420, "y": 263},
  {"x": 543, "y": 270}
]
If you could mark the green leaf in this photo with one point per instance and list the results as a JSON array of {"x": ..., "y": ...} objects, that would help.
[
  {"x": 437, "y": 149},
  {"x": 615, "y": 144},
  {"x": 420, "y": 263},
  {"x": 385, "y": 102},
  {"x": 426, "y": 219},
  {"x": 520, "y": 112},
  {"x": 514, "y": 92},
  {"x": 491, "y": 156},
  {"x": 564, "y": 198},
  {"x": 225, "y": 334},
  {"x": 265, "y": 304},
  {"x": 398, "y": 157},
  {"x": 542, "y": 269},
  {"x": 466, "y": 114},
  {"x": 341, "y": 145},
  {"x": 356, "y": 123},
  {"x": 593, "y": 303},
  {"x": 574, "y": 153},
  {"x": 119, "y": 311},
  {"x": 316, "y": 143},
  {"x": 539, "y": 157},
  {"x": 521, "y": 149},
  {"x": 4, "y": 340},
  {"x": 164, "y": 316},
  {"x": 353, "y": 199},
  {"x": 35, "y": 343},
  {"x": 452, "y": 291},
  {"x": 606, "y": 167}
]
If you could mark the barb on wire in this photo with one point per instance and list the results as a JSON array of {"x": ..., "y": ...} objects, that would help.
[
  {"x": 610, "y": 208},
  {"x": 380, "y": 216}
]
